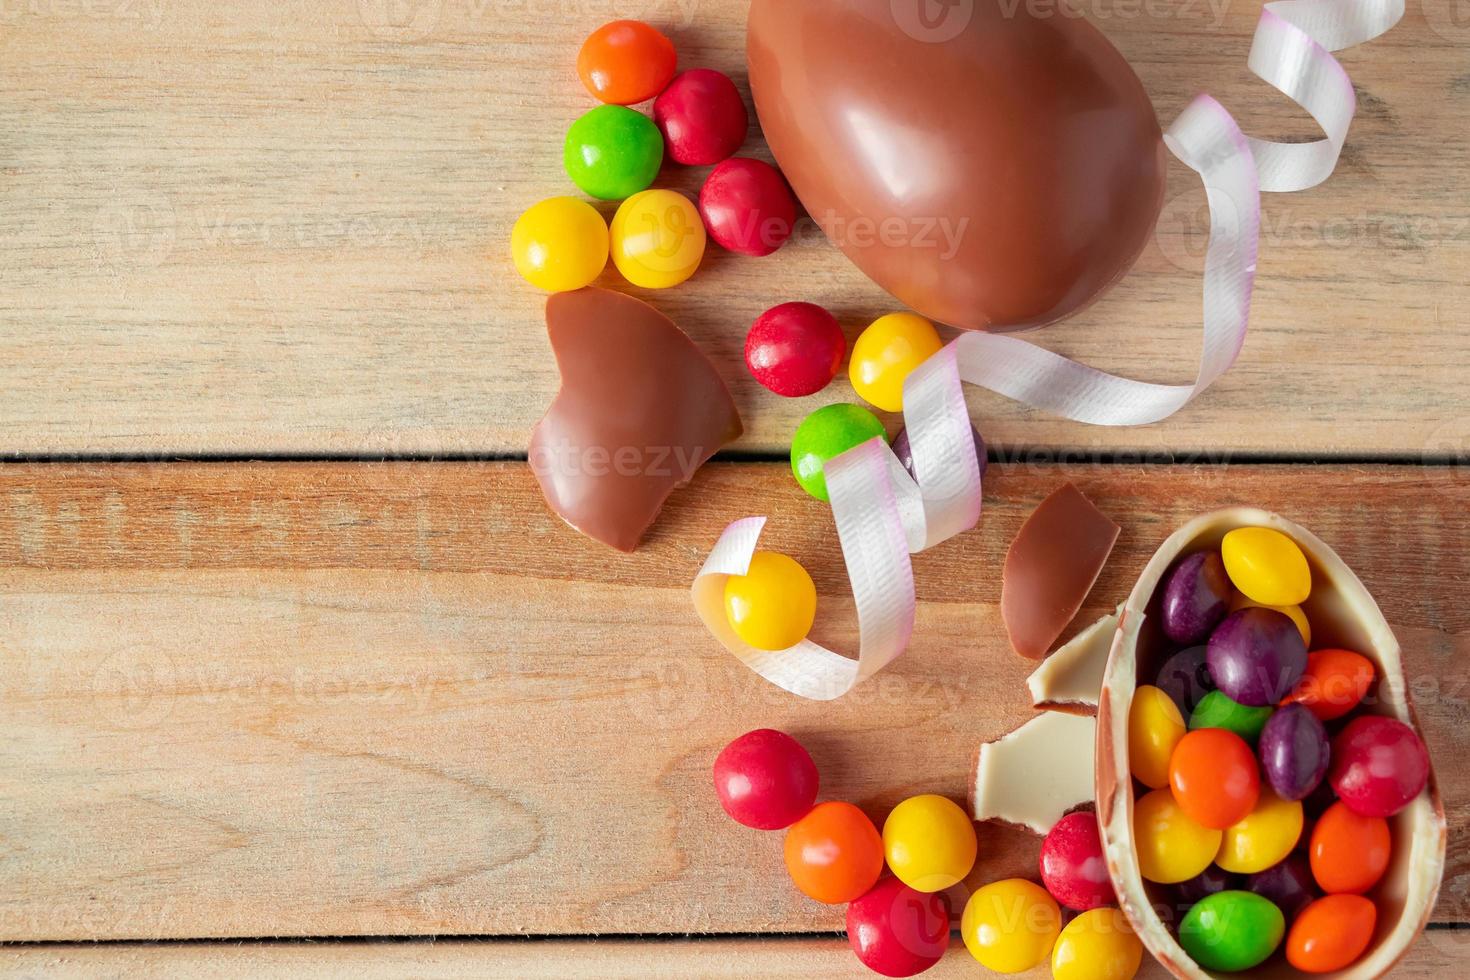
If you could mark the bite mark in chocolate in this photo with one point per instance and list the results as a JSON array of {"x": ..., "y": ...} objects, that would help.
[{"x": 640, "y": 410}]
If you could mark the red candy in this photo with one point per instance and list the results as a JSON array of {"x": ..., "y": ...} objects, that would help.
[
  {"x": 795, "y": 349},
  {"x": 747, "y": 207},
  {"x": 1073, "y": 868},
  {"x": 702, "y": 117},
  {"x": 766, "y": 780},
  {"x": 897, "y": 931},
  {"x": 1378, "y": 766}
]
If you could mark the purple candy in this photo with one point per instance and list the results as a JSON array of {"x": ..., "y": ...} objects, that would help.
[
  {"x": 1294, "y": 752},
  {"x": 1256, "y": 656},
  {"x": 1185, "y": 677},
  {"x": 1196, "y": 597},
  {"x": 905, "y": 452},
  {"x": 1289, "y": 885},
  {"x": 1210, "y": 881}
]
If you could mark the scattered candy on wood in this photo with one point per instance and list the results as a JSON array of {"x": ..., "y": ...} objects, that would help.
[
  {"x": 657, "y": 239},
  {"x": 1288, "y": 885},
  {"x": 1378, "y": 765},
  {"x": 1214, "y": 778},
  {"x": 613, "y": 152},
  {"x": 886, "y": 353},
  {"x": 795, "y": 349},
  {"x": 1215, "y": 710},
  {"x": 1097, "y": 945},
  {"x": 1232, "y": 931},
  {"x": 773, "y": 605},
  {"x": 1011, "y": 926},
  {"x": 826, "y": 434},
  {"x": 702, "y": 116},
  {"x": 1267, "y": 566},
  {"x": 1256, "y": 656},
  {"x": 1294, "y": 752},
  {"x": 1331, "y": 934},
  {"x": 897, "y": 931},
  {"x": 834, "y": 853},
  {"x": 1155, "y": 728},
  {"x": 1335, "y": 683},
  {"x": 1349, "y": 852},
  {"x": 1196, "y": 597},
  {"x": 1171, "y": 847},
  {"x": 747, "y": 207},
  {"x": 929, "y": 842},
  {"x": 1073, "y": 867},
  {"x": 626, "y": 62},
  {"x": 560, "y": 244},
  {"x": 766, "y": 780},
  {"x": 1264, "y": 837}
]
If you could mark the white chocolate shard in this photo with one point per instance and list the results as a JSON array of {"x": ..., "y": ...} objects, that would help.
[
  {"x": 1036, "y": 774},
  {"x": 1073, "y": 675}
]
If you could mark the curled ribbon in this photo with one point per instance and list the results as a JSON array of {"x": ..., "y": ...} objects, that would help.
[{"x": 883, "y": 515}]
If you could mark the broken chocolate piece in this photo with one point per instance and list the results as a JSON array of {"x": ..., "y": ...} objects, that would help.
[
  {"x": 1073, "y": 675},
  {"x": 639, "y": 411},
  {"x": 1038, "y": 773},
  {"x": 1051, "y": 567}
]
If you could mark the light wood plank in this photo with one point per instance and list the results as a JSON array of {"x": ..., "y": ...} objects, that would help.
[
  {"x": 281, "y": 227},
  {"x": 318, "y": 699},
  {"x": 776, "y": 958}
]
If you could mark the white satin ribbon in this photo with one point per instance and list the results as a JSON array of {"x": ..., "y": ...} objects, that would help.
[{"x": 883, "y": 515}]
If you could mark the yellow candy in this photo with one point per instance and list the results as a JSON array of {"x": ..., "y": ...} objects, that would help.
[
  {"x": 1264, "y": 838},
  {"x": 657, "y": 239},
  {"x": 1097, "y": 945},
  {"x": 1171, "y": 847},
  {"x": 1155, "y": 727},
  {"x": 930, "y": 843},
  {"x": 772, "y": 606},
  {"x": 886, "y": 353},
  {"x": 1303, "y": 625},
  {"x": 1011, "y": 926},
  {"x": 1267, "y": 566},
  {"x": 559, "y": 244}
]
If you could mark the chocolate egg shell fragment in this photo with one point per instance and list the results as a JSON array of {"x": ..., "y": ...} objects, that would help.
[
  {"x": 1051, "y": 567},
  {"x": 1343, "y": 615},
  {"x": 639, "y": 411},
  {"x": 995, "y": 167}
]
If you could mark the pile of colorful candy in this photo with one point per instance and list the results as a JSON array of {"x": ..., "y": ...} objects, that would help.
[
  {"x": 614, "y": 153},
  {"x": 1264, "y": 826},
  {"x": 900, "y": 925}
]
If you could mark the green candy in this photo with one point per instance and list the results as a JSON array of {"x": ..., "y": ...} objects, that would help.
[
  {"x": 826, "y": 434},
  {"x": 1232, "y": 931},
  {"x": 1215, "y": 710},
  {"x": 613, "y": 152}
]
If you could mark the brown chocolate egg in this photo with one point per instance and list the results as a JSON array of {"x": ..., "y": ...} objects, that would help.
[{"x": 991, "y": 166}]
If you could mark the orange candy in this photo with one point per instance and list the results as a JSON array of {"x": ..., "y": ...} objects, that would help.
[
  {"x": 1335, "y": 682},
  {"x": 1214, "y": 777},
  {"x": 626, "y": 62},
  {"x": 834, "y": 853},
  {"x": 1331, "y": 933},
  {"x": 1349, "y": 853}
]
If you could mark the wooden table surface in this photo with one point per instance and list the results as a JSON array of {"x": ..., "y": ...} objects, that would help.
[{"x": 350, "y": 706}]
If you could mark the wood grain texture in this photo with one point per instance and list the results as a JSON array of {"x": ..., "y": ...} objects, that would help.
[
  {"x": 612, "y": 959},
  {"x": 391, "y": 699},
  {"x": 281, "y": 228}
]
